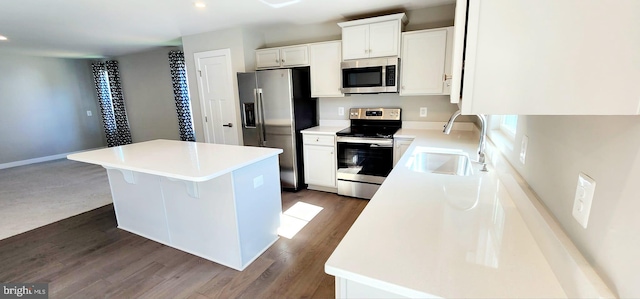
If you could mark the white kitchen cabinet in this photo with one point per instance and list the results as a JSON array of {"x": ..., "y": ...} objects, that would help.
[
  {"x": 326, "y": 75},
  {"x": 372, "y": 37},
  {"x": 426, "y": 62},
  {"x": 268, "y": 58},
  {"x": 547, "y": 57},
  {"x": 320, "y": 161},
  {"x": 282, "y": 57},
  {"x": 400, "y": 146}
]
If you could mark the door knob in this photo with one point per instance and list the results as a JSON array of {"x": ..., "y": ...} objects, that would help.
[{"x": 228, "y": 125}]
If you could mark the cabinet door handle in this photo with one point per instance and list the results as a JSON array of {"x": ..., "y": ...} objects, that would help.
[
  {"x": 282, "y": 60},
  {"x": 230, "y": 125},
  {"x": 318, "y": 139},
  {"x": 277, "y": 61}
]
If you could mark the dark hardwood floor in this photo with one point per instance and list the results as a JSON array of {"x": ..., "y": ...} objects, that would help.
[{"x": 86, "y": 256}]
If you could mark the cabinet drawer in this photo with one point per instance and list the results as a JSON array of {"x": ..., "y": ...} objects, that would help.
[{"x": 319, "y": 139}]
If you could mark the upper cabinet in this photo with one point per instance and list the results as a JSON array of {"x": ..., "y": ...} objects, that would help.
[
  {"x": 326, "y": 76},
  {"x": 282, "y": 57},
  {"x": 372, "y": 37},
  {"x": 547, "y": 57},
  {"x": 426, "y": 62}
]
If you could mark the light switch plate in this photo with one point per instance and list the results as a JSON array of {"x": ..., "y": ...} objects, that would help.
[
  {"x": 340, "y": 111},
  {"x": 523, "y": 149},
  {"x": 584, "y": 197},
  {"x": 423, "y": 111},
  {"x": 89, "y": 113}
]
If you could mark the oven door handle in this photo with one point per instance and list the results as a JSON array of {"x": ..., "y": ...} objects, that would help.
[
  {"x": 374, "y": 141},
  {"x": 381, "y": 145}
]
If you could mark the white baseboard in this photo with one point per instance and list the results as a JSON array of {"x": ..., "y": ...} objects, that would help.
[{"x": 41, "y": 159}]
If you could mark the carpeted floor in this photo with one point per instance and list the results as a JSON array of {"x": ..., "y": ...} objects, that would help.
[{"x": 38, "y": 194}]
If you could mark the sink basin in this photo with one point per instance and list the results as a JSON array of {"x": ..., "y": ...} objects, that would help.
[{"x": 455, "y": 163}]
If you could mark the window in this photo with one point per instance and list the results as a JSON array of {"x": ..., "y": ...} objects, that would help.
[{"x": 508, "y": 124}]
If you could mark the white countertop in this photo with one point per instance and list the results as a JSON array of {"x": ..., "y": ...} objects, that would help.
[
  {"x": 191, "y": 161},
  {"x": 324, "y": 130},
  {"x": 425, "y": 234}
]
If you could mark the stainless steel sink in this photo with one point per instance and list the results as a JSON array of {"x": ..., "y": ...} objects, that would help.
[{"x": 442, "y": 163}]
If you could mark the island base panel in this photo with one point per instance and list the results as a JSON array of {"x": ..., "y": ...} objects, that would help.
[
  {"x": 258, "y": 205},
  {"x": 230, "y": 219},
  {"x": 206, "y": 225},
  {"x": 138, "y": 203}
]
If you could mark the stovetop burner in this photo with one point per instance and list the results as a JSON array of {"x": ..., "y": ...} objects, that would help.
[
  {"x": 373, "y": 123},
  {"x": 369, "y": 132}
]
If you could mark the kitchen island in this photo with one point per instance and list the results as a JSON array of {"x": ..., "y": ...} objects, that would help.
[{"x": 219, "y": 202}]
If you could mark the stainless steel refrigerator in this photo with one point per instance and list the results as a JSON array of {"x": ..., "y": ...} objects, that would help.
[{"x": 275, "y": 105}]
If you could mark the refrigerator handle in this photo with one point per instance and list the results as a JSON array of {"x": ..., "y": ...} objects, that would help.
[{"x": 263, "y": 133}]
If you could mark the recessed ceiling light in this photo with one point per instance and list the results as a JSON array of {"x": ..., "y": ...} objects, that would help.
[
  {"x": 2, "y": 37},
  {"x": 200, "y": 4},
  {"x": 279, "y": 3}
]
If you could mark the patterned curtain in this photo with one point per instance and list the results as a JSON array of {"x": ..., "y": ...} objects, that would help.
[
  {"x": 109, "y": 91},
  {"x": 117, "y": 100},
  {"x": 181, "y": 95},
  {"x": 104, "y": 99}
]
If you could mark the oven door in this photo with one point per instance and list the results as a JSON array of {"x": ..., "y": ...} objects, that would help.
[{"x": 367, "y": 160}]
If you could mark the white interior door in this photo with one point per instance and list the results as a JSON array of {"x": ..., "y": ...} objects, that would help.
[{"x": 215, "y": 84}]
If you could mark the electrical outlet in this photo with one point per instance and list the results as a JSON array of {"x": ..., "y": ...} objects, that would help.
[
  {"x": 340, "y": 111},
  {"x": 523, "y": 149},
  {"x": 89, "y": 113},
  {"x": 423, "y": 111},
  {"x": 584, "y": 197},
  {"x": 258, "y": 181}
]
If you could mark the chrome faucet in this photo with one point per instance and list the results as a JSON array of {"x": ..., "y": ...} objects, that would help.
[{"x": 483, "y": 135}]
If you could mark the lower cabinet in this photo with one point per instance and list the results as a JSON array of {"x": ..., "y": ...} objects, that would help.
[
  {"x": 320, "y": 162},
  {"x": 400, "y": 146}
]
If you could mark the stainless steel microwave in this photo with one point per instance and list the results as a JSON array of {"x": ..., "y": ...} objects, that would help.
[{"x": 371, "y": 75}]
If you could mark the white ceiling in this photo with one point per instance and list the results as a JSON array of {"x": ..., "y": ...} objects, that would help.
[{"x": 103, "y": 28}]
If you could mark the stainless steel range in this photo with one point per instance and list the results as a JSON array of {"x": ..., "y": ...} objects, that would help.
[{"x": 365, "y": 150}]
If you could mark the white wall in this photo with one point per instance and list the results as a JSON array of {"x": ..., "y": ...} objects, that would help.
[
  {"x": 607, "y": 148},
  {"x": 148, "y": 95},
  {"x": 291, "y": 34},
  {"x": 438, "y": 107},
  {"x": 44, "y": 107},
  {"x": 232, "y": 39}
]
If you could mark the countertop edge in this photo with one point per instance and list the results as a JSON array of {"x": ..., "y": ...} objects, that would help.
[
  {"x": 383, "y": 285},
  {"x": 216, "y": 174},
  {"x": 323, "y": 130}
]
